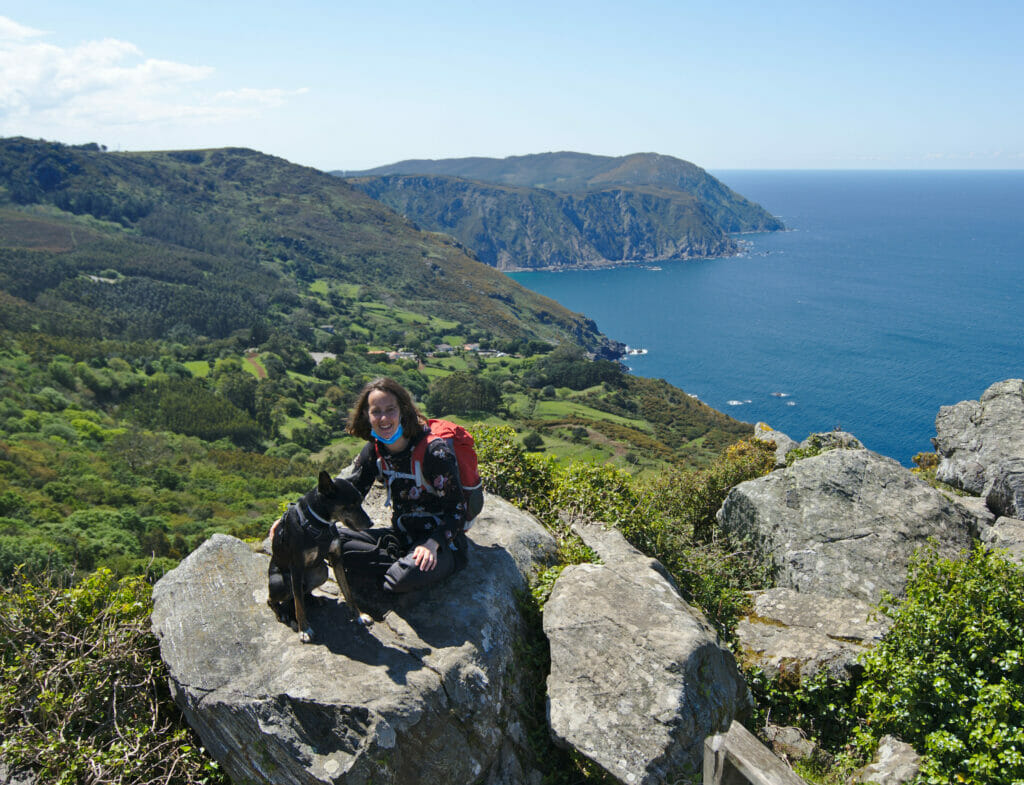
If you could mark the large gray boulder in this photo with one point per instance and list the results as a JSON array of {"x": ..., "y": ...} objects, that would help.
[
  {"x": 793, "y": 636},
  {"x": 981, "y": 444},
  {"x": 844, "y": 523},
  {"x": 426, "y": 695},
  {"x": 638, "y": 678}
]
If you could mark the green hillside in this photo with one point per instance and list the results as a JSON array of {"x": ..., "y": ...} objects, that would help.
[
  {"x": 207, "y": 243},
  {"x": 182, "y": 334}
]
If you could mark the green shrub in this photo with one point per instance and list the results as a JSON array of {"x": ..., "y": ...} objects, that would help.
[
  {"x": 820, "y": 705},
  {"x": 34, "y": 555},
  {"x": 533, "y": 441},
  {"x": 508, "y": 471},
  {"x": 948, "y": 677},
  {"x": 84, "y": 698},
  {"x": 693, "y": 497},
  {"x": 670, "y": 519}
]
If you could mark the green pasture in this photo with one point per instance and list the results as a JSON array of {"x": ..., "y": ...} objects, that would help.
[
  {"x": 198, "y": 368},
  {"x": 324, "y": 286}
]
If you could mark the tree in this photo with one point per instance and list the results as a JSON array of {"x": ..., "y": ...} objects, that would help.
[
  {"x": 533, "y": 441},
  {"x": 463, "y": 393}
]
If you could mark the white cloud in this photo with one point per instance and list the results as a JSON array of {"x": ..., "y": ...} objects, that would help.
[
  {"x": 12, "y": 31},
  {"x": 109, "y": 83}
]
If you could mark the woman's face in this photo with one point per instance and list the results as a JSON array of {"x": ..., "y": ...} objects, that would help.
[{"x": 385, "y": 416}]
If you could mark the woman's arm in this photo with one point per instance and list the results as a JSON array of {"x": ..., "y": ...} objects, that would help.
[{"x": 363, "y": 470}]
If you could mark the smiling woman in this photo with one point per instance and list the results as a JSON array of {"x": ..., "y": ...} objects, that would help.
[{"x": 426, "y": 541}]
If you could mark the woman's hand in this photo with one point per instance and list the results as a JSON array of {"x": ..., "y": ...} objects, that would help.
[
  {"x": 425, "y": 555},
  {"x": 273, "y": 527}
]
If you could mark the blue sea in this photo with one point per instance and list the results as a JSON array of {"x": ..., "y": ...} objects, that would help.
[{"x": 889, "y": 295}]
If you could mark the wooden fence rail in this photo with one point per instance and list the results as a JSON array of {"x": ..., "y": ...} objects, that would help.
[{"x": 736, "y": 757}]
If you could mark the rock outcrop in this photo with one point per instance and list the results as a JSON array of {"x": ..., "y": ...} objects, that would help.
[
  {"x": 1006, "y": 534},
  {"x": 793, "y": 636},
  {"x": 981, "y": 444},
  {"x": 783, "y": 443},
  {"x": 844, "y": 523},
  {"x": 638, "y": 679},
  {"x": 535, "y": 228},
  {"x": 895, "y": 763},
  {"x": 426, "y": 695}
]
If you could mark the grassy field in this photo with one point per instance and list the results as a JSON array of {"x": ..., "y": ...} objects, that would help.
[{"x": 198, "y": 368}]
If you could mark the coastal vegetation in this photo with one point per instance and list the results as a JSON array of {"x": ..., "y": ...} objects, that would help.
[{"x": 181, "y": 335}]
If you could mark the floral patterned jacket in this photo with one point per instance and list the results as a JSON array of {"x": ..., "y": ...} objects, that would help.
[{"x": 433, "y": 509}]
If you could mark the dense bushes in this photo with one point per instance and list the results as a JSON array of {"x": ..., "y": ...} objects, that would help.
[
  {"x": 463, "y": 393},
  {"x": 567, "y": 366},
  {"x": 668, "y": 518},
  {"x": 948, "y": 677},
  {"x": 84, "y": 697},
  {"x": 186, "y": 406}
]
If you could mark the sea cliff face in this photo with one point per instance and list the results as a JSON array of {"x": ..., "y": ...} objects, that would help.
[
  {"x": 530, "y": 228},
  {"x": 563, "y": 210}
]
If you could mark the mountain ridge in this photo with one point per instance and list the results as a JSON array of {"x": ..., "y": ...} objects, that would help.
[{"x": 254, "y": 229}]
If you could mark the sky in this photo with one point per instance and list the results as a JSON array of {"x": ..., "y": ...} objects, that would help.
[{"x": 342, "y": 85}]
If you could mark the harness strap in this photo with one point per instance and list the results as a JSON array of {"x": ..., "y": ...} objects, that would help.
[
  {"x": 386, "y": 470},
  {"x": 310, "y": 511},
  {"x": 317, "y": 527}
]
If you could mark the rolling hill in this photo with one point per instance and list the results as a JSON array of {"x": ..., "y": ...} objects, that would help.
[{"x": 206, "y": 243}]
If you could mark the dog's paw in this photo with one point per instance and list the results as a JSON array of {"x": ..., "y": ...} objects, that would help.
[
  {"x": 365, "y": 619},
  {"x": 306, "y": 636}
]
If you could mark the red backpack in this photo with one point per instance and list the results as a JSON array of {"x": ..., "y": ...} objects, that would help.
[{"x": 461, "y": 442}]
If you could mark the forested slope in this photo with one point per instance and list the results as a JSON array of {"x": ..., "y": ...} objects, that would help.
[
  {"x": 182, "y": 334},
  {"x": 139, "y": 245}
]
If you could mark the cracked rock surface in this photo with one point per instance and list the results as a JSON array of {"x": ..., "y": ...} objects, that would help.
[
  {"x": 794, "y": 635},
  {"x": 427, "y": 694},
  {"x": 844, "y": 523},
  {"x": 981, "y": 444},
  {"x": 638, "y": 678}
]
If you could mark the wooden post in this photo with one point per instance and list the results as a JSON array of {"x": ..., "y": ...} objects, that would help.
[{"x": 736, "y": 757}]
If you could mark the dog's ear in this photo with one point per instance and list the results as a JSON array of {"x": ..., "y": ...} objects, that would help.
[{"x": 325, "y": 484}]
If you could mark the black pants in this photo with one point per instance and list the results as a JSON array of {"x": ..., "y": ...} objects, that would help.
[
  {"x": 280, "y": 582},
  {"x": 379, "y": 558}
]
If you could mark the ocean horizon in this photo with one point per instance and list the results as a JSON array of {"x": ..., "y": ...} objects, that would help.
[{"x": 889, "y": 295}]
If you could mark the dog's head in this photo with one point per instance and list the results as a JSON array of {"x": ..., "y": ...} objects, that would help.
[{"x": 342, "y": 502}]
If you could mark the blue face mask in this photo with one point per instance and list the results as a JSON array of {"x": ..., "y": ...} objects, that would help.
[{"x": 392, "y": 440}]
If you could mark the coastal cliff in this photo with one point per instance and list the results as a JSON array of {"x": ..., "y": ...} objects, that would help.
[{"x": 561, "y": 210}]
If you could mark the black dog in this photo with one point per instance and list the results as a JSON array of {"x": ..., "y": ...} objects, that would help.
[{"x": 303, "y": 539}]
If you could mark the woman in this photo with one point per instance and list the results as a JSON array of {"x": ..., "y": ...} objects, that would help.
[{"x": 425, "y": 543}]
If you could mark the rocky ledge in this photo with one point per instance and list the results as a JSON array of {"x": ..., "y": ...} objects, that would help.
[
  {"x": 428, "y": 694},
  {"x": 432, "y": 692}
]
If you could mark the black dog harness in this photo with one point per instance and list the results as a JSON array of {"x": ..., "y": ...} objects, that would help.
[{"x": 312, "y": 524}]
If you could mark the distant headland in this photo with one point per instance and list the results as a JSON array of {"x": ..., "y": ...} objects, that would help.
[{"x": 569, "y": 210}]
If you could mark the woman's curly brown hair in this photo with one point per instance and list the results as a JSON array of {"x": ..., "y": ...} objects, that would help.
[{"x": 359, "y": 420}]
